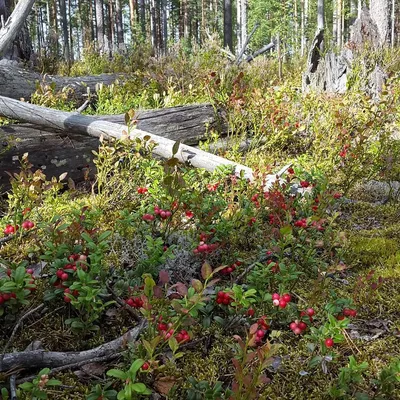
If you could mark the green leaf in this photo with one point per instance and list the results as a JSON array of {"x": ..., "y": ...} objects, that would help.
[
  {"x": 136, "y": 365},
  {"x": 26, "y": 386},
  {"x": 139, "y": 387},
  {"x": 206, "y": 270},
  {"x": 175, "y": 147},
  {"x": 286, "y": 230},
  {"x": 117, "y": 373},
  {"x": 197, "y": 285},
  {"x": 54, "y": 382},
  {"x": 173, "y": 344}
]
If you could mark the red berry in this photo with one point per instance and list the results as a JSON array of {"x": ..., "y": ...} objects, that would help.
[
  {"x": 29, "y": 271},
  {"x": 297, "y": 331},
  {"x": 302, "y": 325},
  {"x": 310, "y": 312},
  {"x": 1, "y": 299},
  {"x": 67, "y": 299},
  {"x": 260, "y": 333},
  {"x": 64, "y": 276},
  {"x": 287, "y": 297},
  {"x": 340, "y": 317},
  {"x": 6, "y": 296},
  {"x": 276, "y": 296},
  {"x": 275, "y": 302},
  {"x": 329, "y": 342},
  {"x": 145, "y": 366},
  {"x": 293, "y": 326},
  {"x": 226, "y": 301},
  {"x": 27, "y": 225},
  {"x": 282, "y": 303},
  {"x": 250, "y": 312},
  {"x": 59, "y": 273},
  {"x": 130, "y": 302},
  {"x": 219, "y": 300},
  {"x": 346, "y": 312},
  {"x": 8, "y": 272},
  {"x": 353, "y": 313}
]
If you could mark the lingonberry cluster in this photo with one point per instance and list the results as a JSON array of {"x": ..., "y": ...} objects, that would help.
[
  {"x": 165, "y": 329},
  {"x": 212, "y": 187},
  {"x": 10, "y": 229},
  {"x": 309, "y": 312},
  {"x": 63, "y": 274},
  {"x": 163, "y": 214},
  {"x": 182, "y": 336},
  {"x": 142, "y": 190},
  {"x": 135, "y": 302},
  {"x": 228, "y": 270},
  {"x": 298, "y": 327},
  {"x": 4, "y": 297},
  {"x": 27, "y": 225},
  {"x": 67, "y": 291},
  {"x": 346, "y": 312},
  {"x": 281, "y": 301},
  {"x": 224, "y": 298},
  {"x": 301, "y": 223},
  {"x": 203, "y": 247}
]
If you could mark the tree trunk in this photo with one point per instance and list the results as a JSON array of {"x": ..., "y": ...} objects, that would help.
[
  {"x": 132, "y": 18},
  {"x": 64, "y": 23},
  {"x": 243, "y": 19},
  {"x": 57, "y": 152},
  {"x": 99, "y": 25},
  {"x": 119, "y": 25},
  {"x": 320, "y": 15},
  {"x": 142, "y": 18},
  {"x": 14, "y": 23},
  {"x": 20, "y": 83},
  {"x": 53, "y": 30},
  {"x": 380, "y": 14},
  {"x": 228, "y": 40},
  {"x": 76, "y": 123},
  {"x": 239, "y": 43}
]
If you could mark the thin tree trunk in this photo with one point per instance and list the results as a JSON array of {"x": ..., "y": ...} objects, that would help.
[
  {"x": 13, "y": 25},
  {"x": 64, "y": 23},
  {"x": 142, "y": 17},
  {"x": 239, "y": 44},
  {"x": 393, "y": 20},
  {"x": 243, "y": 18},
  {"x": 228, "y": 40},
  {"x": 111, "y": 26},
  {"x": 320, "y": 14},
  {"x": 119, "y": 25},
  {"x": 335, "y": 21},
  {"x": 132, "y": 17},
  {"x": 302, "y": 29},
  {"x": 71, "y": 40},
  {"x": 296, "y": 27},
  {"x": 99, "y": 25},
  {"x": 164, "y": 27},
  {"x": 380, "y": 14}
]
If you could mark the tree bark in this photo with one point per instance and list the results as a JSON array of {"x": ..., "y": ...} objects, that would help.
[
  {"x": 76, "y": 123},
  {"x": 14, "y": 24},
  {"x": 119, "y": 25}
]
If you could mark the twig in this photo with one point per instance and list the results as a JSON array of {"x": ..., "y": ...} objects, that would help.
[
  {"x": 83, "y": 107},
  {"x": 349, "y": 339},
  {"x": 257, "y": 53},
  {"x": 239, "y": 58},
  {"x": 13, "y": 387},
  {"x": 131, "y": 311},
  {"x": 245, "y": 272},
  {"x": 72, "y": 366},
  {"x": 39, "y": 307}
]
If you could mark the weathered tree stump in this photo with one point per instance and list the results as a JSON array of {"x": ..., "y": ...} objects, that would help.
[{"x": 330, "y": 72}]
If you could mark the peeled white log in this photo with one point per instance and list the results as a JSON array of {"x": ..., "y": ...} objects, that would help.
[{"x": 73, "y": 122}]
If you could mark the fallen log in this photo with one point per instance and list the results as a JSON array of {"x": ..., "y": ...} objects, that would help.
[
  {"x": 51, "y": 359},
  {"x": 76, "y": 123},
  {"x": 18, "y": 83},
  {"x": 56, "y": 152}
]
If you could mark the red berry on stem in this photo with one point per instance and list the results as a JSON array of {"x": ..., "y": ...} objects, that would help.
[
  {"x": 282, "y": 303},
  {"x": 329, "y": 342},
  {"x": 287, "y": 297},
  {"x": 310, "y": 312}
]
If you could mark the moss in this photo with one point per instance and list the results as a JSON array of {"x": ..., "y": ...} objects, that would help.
[{"x": 370, "y": 251}]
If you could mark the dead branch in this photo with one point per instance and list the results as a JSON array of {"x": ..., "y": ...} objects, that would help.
[{"x": 54, "y": 359}]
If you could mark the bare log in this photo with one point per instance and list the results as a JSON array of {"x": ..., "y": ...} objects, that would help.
[
  {"x": 18, "y": 83},
  {"x": 76, "y": 123},
  {"x": 261, "y": 51},
  {"x": 51, "y": 359},
  {"x": 56, "y": 152},
  {"x": 14, "y": 23}
]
